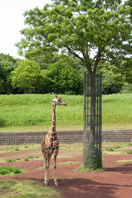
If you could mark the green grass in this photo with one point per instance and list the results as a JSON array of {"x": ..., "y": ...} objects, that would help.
[
  {"x": 117, "y": 109},
  {"x": 85, "y": 169},
  {"x": 117, "y": 147},
  {"x": 110, "y": 149},
  {"x": 10, "y": 170},
  {"x": 62, "y": 163},
  {"x": 26, "y": 189},
  {"x": 34, "y": 112},
  {"x": 28, "y": 158},
  {"x": 68, "y": 163},
  {"x": 13, "y": 148},
  {"x": 11, "y": 160},
  {"x": 72, "y": 147},
  {"x": 124, "y": 161},
  {"x": 129, "y": 152}
]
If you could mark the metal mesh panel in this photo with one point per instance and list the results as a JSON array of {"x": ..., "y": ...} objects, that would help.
[{"x": 92, "y": 156}]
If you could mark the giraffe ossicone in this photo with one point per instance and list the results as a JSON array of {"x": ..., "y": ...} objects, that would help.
[{"x": 50, "y": 143}]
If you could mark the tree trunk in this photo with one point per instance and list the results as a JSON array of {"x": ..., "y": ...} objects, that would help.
[
  {"x": 92, "y": 157},
  {"x": 93, "y": 103}
]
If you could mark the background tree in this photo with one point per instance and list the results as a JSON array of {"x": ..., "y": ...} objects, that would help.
[
  {"x": 7, "y": 64},
  {"x": 44, "y": 83},
  {"x": 112, "y": 78},
  {"x": 127, "y": 73},
  {"x": 127, "y": 70},
  {"x": 66, "y": 80},
  {"x": 25, "y": 76},
  {"x": 87, "y": 29}
]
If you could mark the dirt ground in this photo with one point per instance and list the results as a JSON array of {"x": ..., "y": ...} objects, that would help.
[{"x": 114, "y": 182}]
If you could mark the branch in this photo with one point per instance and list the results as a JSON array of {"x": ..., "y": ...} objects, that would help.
[
  {"x": 98, "y": 56},
  {"x": 74, "y": 53},
  {"x": 93, "y": 59},
  {"x": 87, "y": 61},
  {"x": 97, "y": 59}
]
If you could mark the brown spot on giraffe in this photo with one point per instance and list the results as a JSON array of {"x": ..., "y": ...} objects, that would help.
[{"x": 50, "y": 143}]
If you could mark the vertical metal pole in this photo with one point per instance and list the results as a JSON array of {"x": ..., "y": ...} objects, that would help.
[{"x": 84, "y": 118}]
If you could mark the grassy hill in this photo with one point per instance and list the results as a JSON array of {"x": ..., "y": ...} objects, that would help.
[{"x": 32, "y": 112}]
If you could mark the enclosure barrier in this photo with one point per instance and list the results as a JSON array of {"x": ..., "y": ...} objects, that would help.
[
  {"x": 92, "y": 152},
  {"x": 124, "y": 135}
]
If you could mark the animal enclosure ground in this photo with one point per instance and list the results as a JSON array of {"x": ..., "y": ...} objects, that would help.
[{"x": 114, "y": 182}]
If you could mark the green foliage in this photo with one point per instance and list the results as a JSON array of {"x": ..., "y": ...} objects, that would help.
[
  {"x": 25, "y": 76},
  {"x": 112, "y": 78},
  {"x": 79, "y": 27},
  {"x": 10, "y": 170},
  {"x": 64, "y": 74},
  {"x": 7, "y": 64},
  {"x": 28, "y": 76},
  {"x": 65, "y": 78},
  {"x": 59, "y": 74},
  {"x": 127, "y": 70},
  {"x": 127, "y": 88}
]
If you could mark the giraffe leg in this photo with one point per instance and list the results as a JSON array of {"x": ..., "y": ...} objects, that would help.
[
  {"x": 55, "y": 179},
  {"x": 46, "y": 180},
  {"x": 48, "y": 165}
]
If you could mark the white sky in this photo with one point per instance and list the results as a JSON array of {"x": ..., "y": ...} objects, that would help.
[{"x": 12, "y": 21}]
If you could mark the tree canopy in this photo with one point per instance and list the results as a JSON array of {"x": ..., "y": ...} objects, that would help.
[
  {"x": 91, "y": 30},
  {"x": 115, "y": 79},
  {"x": 25, "y": 76},
  {"x": 7, "y": 64},
  {"x": 66, "y": 79},
  {"x": 127, "y": 70}
]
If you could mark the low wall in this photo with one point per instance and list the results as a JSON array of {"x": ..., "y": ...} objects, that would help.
[
  {"x": 64, "y": 137},
  {"x": 124, "y": 135}
]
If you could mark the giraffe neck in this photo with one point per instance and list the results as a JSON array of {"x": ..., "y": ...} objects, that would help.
[{"x": 53, "y": 124}]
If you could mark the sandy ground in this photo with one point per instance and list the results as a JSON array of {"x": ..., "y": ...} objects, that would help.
[{"x": 114, "y": 182}]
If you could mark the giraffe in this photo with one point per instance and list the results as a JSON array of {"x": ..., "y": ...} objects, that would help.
[{"x": 50, "y": 143}]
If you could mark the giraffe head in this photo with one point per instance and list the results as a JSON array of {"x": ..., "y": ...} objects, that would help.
[{"x": 58, "y": 101}]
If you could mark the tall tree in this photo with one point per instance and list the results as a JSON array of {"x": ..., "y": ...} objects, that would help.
[{"x": 88, "y": 29}]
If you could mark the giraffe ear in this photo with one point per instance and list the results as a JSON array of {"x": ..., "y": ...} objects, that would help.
[{"x": 56, "y": 96}]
